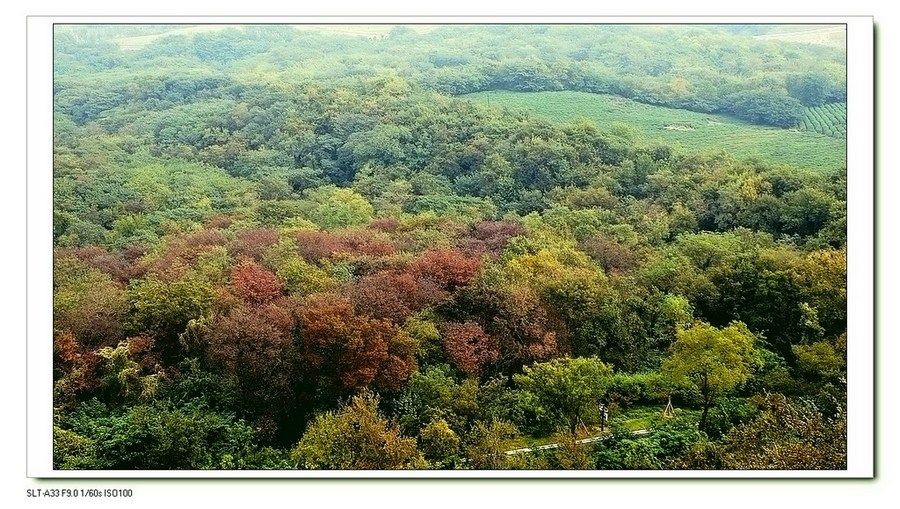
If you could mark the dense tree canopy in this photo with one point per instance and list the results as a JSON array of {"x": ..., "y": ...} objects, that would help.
[{"x": 280, "y": 247}]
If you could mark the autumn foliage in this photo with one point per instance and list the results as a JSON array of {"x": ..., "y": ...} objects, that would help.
[
  {"x": 490, "y": 237},
  {"x": 116, "y": 264},
  {"x": 254, "y": 344},
  {"x": 314, "y": 245},
  {"x": 253, "y": 243},
  {"x": 356, "y": 264},
  {"x": 256, "y": 284},
  {"x": 469, "y": 348},
  {"x": 528, "y": 331},
  {"x": 88, "y": 303},
  {"x": 447, "y": 268},
  {"x": 347, "y": 351},
  {"x": 76, "y": 370},
  {"x": 393, "y": 295}
]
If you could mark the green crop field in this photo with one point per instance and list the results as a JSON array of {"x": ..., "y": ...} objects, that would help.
[
  {"x": 828, "y": 119},
  {"x": 687, "y": 130}
]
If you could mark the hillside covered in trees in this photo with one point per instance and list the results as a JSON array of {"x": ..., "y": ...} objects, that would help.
[{"x": 288, "y": 247}]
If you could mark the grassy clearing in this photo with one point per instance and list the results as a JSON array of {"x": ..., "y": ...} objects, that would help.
[
  {"x": 634, "y": 418},
  {"x": 640, "y": 416},
  {"x": 688, "y": 130}
]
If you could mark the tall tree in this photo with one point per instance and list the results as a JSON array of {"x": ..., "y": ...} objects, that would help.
[
  {"x": 469, "y": 348},
  {"x": 255, "y": 284},
  {"x": 488, "y": 442},
  {"x": 162, "y": 309},
  {"x": 566, "y": 388},
  {"x": 346, "y": 352},
  {"x": 254, "y": 345},
  {"x": 446, "y": 268},
  {"x": 715, "y": 361}
]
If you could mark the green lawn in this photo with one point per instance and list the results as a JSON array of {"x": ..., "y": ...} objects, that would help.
[
  {"x": 687, "y": 130},
  {"x": 639, "y": 416}
]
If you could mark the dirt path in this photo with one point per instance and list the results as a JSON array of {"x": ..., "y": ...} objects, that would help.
[{"x": 526, "y": 450}]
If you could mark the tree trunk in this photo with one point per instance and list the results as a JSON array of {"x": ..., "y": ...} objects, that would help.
[
  {"x": 703, "y": 415},
  {"x": 707, "y": 401}
]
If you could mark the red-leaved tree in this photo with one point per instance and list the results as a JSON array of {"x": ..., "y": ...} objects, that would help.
[
  {"x": 527, "y": 330},
  {"x": 447, "y": 268},
  {"x": 76, "y": 370},
  {"x": 254, "y": 344},
  {"x": 256, "y": 284},
  {"x": 347, "y": 352},
  {"x": 469, "y": 348},
  {"x": 314, "y": 245},
  {"x": 490, "y": 237},
  {"x": 253, "y": 243},
  {"x": 392, "y": 295}
]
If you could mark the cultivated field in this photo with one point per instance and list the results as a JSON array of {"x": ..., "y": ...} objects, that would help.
[
  {"x": 688, "y": 130},
  {"x": 828, "y": 119}
]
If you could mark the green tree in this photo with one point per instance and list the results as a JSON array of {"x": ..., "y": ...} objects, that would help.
[
  {"x": 440, "y": 444},
  {"x": 87, "y": 303},
  {"x": 72, "y": 451},
  {"x": 764, "y": 107},
  {"x": 341, "y": 208},
  {"x": 302, "y": 278},
  {"x": 164, "y": 308},
  {"x": 811, "y": 89},
  {"x": 566, "y": 388},
  {"x": 789, "y": 435},
  {"x": 356, "y": 437},
  {"x": 487, "y": 444},
  {"x": 822, "y": 359},
  {"x": 715, "y": 361},
  {"x": 123, "y": 377},
  {"x": 571, "y": 455},
  {"x": 155, "y": 436}
]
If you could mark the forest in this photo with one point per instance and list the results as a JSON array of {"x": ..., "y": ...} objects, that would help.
[{"x": 321, "y": 247}]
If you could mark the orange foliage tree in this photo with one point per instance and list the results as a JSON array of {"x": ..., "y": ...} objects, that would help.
[{"x": 346, "y": 352}]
